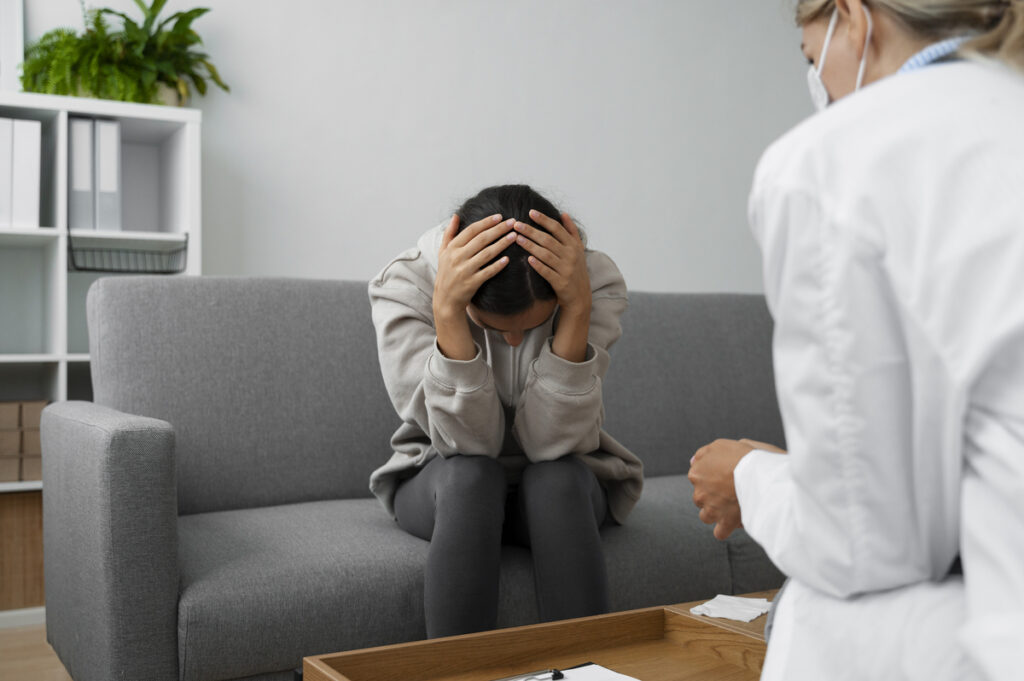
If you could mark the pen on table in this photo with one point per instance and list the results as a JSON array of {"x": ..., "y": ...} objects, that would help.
[{"x": 544, "y": 675}]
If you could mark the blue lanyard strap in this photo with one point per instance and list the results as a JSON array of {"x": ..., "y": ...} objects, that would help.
[{"x": 933, "y": 53}]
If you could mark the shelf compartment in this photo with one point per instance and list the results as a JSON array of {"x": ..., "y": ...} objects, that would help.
[
  {"x": 79, "y": 382},
  {"x": 26, "y": 381},
  {"x": 78, "y": 329},
  {"x": 30, "y": 281},
  {"x": 51, "y": 139}
]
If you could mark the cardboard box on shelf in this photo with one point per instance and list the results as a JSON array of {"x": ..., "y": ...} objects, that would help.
[
  {"x": 31, "y": 413},
  {"x": 10, "y": 415},
  {"x": 30, "y": 442},
  {"x": 10, "y": 442},
  {"x": 10, "y": 467},
  {"x": 31, "y": 468}
]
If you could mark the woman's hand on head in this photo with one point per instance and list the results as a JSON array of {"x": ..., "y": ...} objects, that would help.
[
  {"x": 558, "y": 256},
  {"x": 462, "y": 262}
]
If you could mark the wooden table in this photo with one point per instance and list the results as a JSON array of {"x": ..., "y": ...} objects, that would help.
[{"x": 653, "y": 644}]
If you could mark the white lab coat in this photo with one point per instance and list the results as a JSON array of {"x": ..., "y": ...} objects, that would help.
[{"x": 892, "y": 230}]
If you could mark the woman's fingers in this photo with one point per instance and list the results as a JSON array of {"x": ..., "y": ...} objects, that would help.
[
  {"x": 475, "y": 229},
  {"x": 491, "y": 252},
  {"x": 537, "y": 236},
  {"x": 488, "y": 237},
  {"x": 450, "y": 231},
  {"x": 487, "y": 272},
  {"x": 556, "y": 228},
  {"x": 545, "y": 255},
  {"x": 543, "y": 270},
  {"x": 570, "y": 226}
]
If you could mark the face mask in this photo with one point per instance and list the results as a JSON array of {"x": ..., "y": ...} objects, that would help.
[{"x": 819, "y": 94}]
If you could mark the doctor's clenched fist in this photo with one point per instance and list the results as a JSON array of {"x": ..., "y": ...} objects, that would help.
[{"x": 714, "y": 490}]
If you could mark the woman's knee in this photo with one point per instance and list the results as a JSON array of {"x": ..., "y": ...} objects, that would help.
[
  {"x": 470, "y": 478},
  {"x": 567, "y": 477}
]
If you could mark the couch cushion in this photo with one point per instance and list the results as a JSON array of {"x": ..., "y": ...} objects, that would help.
[
  {"x": 691, "y": 368},
  {"x": 270, "y": 384},
  {"x": 261, "y": 588},
  {"x": 664, "y": 553}
]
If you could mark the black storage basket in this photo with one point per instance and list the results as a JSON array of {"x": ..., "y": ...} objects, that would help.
[{"x": 139, "y": 260}]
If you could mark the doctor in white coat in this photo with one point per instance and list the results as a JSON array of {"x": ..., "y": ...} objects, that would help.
[{"x": 892, "y": 232}]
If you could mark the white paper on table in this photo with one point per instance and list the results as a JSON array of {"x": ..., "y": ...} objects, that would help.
[
  {"x": 594, "y": 672},
  {"x": 587, "y": 672},
  {"x": 733, "y": 608}
]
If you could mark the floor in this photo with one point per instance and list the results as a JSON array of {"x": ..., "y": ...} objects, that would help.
[{"x": 25, "y": 654}]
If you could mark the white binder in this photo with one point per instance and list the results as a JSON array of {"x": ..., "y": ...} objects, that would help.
[
  {"x": 28, "y": 140},
  {"x": 107, "y": 150},
  {"x": 6, "y": 165},
  {"x": 80, "y": 167}
]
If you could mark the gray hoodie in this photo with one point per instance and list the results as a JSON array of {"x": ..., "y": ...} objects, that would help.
[{"x": 516, "y": 404}]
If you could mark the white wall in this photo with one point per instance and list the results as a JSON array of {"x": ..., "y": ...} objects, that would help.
[{"x": 354, "y": 125}]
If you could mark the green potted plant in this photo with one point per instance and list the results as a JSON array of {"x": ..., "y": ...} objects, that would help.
[{"x": 137, "y": 63}]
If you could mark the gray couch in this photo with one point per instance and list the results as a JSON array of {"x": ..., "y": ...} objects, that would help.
[{"x": 208, "y": 516}]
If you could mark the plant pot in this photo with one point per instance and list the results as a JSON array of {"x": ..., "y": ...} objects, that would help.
[{"x": 168, "y": 96}]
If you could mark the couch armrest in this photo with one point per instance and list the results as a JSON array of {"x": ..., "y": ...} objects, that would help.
[{"x": 110, "y": 538}]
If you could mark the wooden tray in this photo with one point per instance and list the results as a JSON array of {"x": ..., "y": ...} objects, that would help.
[{"x": 654, "y": 644}]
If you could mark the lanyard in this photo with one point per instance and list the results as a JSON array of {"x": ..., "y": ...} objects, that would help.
[{"x": 933, "y": 53}]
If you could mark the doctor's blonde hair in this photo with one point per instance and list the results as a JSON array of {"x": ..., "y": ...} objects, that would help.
[{"x": 997, "y": 25}]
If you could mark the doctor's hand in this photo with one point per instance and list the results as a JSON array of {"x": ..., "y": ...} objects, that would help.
[
  {"x": 714, "y": 491},
  {"x": 462, "y": 266}
]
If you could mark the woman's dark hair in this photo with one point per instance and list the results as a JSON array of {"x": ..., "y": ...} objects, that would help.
[{"x": 516, "y": 287}]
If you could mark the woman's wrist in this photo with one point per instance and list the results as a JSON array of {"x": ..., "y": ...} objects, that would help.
[
  {"x": 453, "y": 336},
  {"x": 570, "y": 341}
]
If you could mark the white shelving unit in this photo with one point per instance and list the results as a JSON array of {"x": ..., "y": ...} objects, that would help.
[{"x": 43, "y": 337}]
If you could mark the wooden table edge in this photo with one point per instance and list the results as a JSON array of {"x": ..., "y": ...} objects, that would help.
[
  {"x": 321, "y": 668},
  {"x": 754, "y": 628}
]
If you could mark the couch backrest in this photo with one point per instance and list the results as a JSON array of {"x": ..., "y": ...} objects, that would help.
[
  {"x": 691, "y": 368},
  {"x": 272, "y": 385},
  {"x": 274, "y": 390}
]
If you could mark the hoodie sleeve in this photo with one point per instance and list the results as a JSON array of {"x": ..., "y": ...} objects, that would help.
[
  {"x": 561, "y": 408},
  {"x": 454, "y": 403}
]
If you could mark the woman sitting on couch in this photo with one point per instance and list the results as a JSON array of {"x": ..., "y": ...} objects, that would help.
[{"x": 493, "y": 335}]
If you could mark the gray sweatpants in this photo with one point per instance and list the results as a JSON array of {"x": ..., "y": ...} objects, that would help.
[{"x": 463, "y": 506}]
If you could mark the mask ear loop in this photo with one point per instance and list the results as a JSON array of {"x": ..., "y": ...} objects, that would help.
[
  {"x": 828, "y": 39},
  {"x": 867, "y": 45}
]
